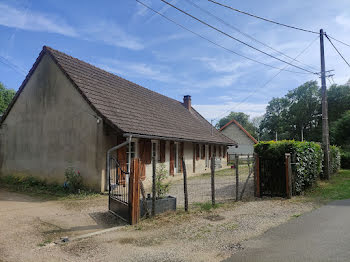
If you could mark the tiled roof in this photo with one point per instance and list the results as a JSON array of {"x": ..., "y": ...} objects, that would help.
[{"x": 132, "y": 108}]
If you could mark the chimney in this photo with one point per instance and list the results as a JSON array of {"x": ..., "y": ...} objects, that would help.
[{"x": 187, "y": 102}]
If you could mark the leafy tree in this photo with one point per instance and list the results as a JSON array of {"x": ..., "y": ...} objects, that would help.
[
  {"x": 338, "y": 101},
  {"x": 6, "y": 96},
  {"x": 340, "y": 131},
  {"x": 241, "y": 118}
]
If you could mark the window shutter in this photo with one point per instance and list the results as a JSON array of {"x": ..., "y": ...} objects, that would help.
[
  {"x": 220, "y": 151},
  {"x": 148, "y": 151},
  {"x": 210, "y": 152},
  {"x": 214, "y": 151},
  {"x": 172, "y": 159},
  {"x": 181, "y": 154},
  {"x": 197, "y": 151},
  {"x": 203, "y": 151},
  {"x": 162, "y": 151},
  {"x": 225, "y": 151}
]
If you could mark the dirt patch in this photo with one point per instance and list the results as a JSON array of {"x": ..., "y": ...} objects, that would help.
[{"x": 215, "y": 217}]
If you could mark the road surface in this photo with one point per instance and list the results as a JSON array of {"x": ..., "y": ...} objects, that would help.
[{"x": 321, "y": 235}]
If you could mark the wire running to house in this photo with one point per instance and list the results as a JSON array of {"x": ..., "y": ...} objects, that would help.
[
  {"x": 339, "y": 41},
  {"x": 268, "y": 81},
  {"x": 262, "y": 18},
  {"x": 236, "y": 39},
  {"x": 336, "y": 49},
  {"x": 245, "y": 34},
  {"x": 216, "y": 44}
]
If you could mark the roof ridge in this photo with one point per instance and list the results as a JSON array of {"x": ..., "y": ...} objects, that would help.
[
  {"x": 240, "y": 127},
  {"x": 50, "y": 49}
]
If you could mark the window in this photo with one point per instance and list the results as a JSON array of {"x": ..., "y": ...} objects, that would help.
[{"x": 130, "y": 151}]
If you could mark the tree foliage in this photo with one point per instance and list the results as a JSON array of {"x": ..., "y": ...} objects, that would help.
[{"x": 6, "y": 96}]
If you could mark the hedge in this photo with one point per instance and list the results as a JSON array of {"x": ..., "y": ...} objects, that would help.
[
  {"x": 345, "y": 159},
  {"x": 307, "y": 156},
  {"x": 335, "y": 159}
]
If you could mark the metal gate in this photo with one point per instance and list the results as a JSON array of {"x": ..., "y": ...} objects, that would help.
[
  {"x": 272, "y": 177},
  {"x": 124, "y": 190}
]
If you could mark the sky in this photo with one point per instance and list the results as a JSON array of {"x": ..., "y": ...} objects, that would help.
[{"x": 127, "y": 39}]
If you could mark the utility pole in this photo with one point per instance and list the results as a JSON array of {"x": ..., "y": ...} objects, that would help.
[{"x": 325, "y": 128}]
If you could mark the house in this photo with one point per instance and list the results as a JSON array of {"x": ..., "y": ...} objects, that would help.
[
  {"x": 68, "y": 113},
  {"x": 237, "y": 133}
]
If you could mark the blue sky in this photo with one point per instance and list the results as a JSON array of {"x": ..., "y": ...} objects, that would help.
[{"x": 125, "y": 38}]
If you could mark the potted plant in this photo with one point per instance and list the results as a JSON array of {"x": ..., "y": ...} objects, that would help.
[{"x": 163, "y": 201}]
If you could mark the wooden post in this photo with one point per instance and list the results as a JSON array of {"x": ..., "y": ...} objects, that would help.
[
  {"x": 185, "y": 184},
  {"x": 134, "y": 192},
  {"x": 288, "y": 176},
  {"x": 237, "y": 176},
  {"x": 212, "y": 167},
  {"x": 153, "y": 186},
  {"x": 257, "y": 176}
]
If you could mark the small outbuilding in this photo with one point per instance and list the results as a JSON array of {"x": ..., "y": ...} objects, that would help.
[
  {"x": 245, "y": 141},
  {"x": 68, "y": 113}
]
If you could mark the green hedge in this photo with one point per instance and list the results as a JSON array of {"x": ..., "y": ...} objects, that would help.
[
  {"x": 335, "y": 159},
  {"x": 345, "y": 159},
  {"x": 307, "y": 156}
]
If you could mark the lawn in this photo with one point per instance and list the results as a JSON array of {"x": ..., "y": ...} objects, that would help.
[{"x": 338, "y": 187}]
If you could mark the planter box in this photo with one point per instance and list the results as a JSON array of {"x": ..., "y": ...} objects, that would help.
[{"x": 162, "y": 205}]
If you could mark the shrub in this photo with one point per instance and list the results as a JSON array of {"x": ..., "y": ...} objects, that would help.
[
  {"x": 74, "y": 181},
  {"x": 335, "y": 159},
  {"x": 345, "y": 159},
  {"x": 162, "y": 188},
  {"x": 307, "y": 157}
]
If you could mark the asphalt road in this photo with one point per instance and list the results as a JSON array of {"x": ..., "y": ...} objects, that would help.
[{"x": 321, "y": 235}]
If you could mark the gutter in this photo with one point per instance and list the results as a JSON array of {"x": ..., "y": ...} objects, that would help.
[{"x": 178, "y": 139}]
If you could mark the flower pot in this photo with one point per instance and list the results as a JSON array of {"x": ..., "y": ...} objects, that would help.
[{"x": 162, "y": 205}]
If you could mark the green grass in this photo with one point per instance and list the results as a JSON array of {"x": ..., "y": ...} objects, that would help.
[
  {"x": 337, "y": 188},
  {"x": 207, "y": 206},
  {"x": 40, "y": 188}
]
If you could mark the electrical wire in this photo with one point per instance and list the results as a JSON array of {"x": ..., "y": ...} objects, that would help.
[
  {"x": 268, "y": 81},
  {"x": 339, "y": 41},
  {"x": 230, "y": 36},
  {"x": 337, "y": 50},
  {"x": 245, "y": 34},
  {"x": 265, "y": 19},
  {"x": 11, "y": 65},
  {"x": 214, "y": 43}
]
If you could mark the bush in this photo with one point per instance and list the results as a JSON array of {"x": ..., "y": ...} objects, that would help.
[
  {"x": 335, "y": 159},
  {"x": 345, "y": 159},
  {"x": 162, "y": 188},
  {"x": 74, "y": 181},
  {"x": 307, "y": 157}
]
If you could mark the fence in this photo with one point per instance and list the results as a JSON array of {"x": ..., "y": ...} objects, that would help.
[{"x": 217, "y": 186}]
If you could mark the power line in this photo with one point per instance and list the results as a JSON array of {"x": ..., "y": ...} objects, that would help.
[
  {"x": 268, "y": 81},
  {"x": 245, "y": 34},
  {"x": 265, "y": 19},
  {"x": 337, "y": 50},
  {"x": 214, "y": 43},
  {"x": 11, "y": 65},
  {"x": 230, "y": 36},
  {"x": 339, "y": 41}
]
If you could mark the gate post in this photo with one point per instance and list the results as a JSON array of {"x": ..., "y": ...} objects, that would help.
[
  {"x": 288, "y": 176},
  {"x": 257, "y": 176},
  {"x": 134, "y": 191}
]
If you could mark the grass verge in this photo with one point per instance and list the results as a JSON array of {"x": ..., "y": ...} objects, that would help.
[
  {"x": 337, "y": 188},
  {"x": 40, "y": 188}
]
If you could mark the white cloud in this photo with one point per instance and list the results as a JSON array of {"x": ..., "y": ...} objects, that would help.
[
  {"x": 112, "y": 34},
  {"x": 221, "y": 65},
  {"x": 221, "y": 110},
  {"x": 34, "y": 21},
  {"x": 343, "y": 20},
  {"x": 131, "y": 69}
]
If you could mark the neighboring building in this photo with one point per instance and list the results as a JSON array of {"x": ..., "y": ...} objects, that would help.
[
  {"x": 241, "y": 136},
  {"x": 69, "y": 113}
]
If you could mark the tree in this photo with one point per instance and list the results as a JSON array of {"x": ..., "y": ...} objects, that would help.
[
  {"x": 338, "y": 101},
  {"x": 340, "y": 131},
  {"x": 6, "y": 96},
  {"x": 241, "y": 118}
]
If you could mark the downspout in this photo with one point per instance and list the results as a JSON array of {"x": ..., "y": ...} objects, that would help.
[{"x": 109, "y": 154}]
